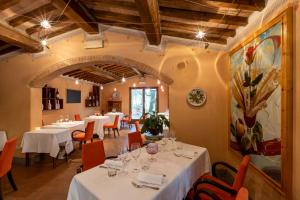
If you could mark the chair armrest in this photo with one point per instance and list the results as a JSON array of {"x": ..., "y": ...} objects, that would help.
[
  {"x": 207, "y": 193},
  {"x": 214, "y": 166},
  {"x": 72, "y": 134},
  {"x": 215, "y": 184}
]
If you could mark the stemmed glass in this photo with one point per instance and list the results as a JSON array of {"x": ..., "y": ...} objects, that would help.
[
  {"x": 123, "y": 157},
  {"x": 135, "y": 151},
  {"x": 173, "y": 140}
]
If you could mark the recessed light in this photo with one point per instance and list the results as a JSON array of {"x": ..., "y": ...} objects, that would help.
[
  {"x": 45, "y": 24},
  {"x": 200, "y": 34}
]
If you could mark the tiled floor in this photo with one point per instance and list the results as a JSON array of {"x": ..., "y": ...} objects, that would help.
[{"x": 41, "y": 182}]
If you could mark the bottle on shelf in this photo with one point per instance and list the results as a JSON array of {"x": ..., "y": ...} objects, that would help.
[
  {"x": 49, "y": 105},
  {"x": 57, "y": 94}
]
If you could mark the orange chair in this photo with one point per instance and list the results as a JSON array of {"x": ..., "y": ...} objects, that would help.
[
  {"x": 84, "y": 136},
  {"x": 93, "y": 154},
  {"x": 126, "y": 120},
  {"x": 219, "y": 187},
  {"x": 134, "y": 137},
  {"x": 206, "y": 194},
  {"x": 6, "y": 159},
  {"x": 113, "y": 126},
  {"x": 137, "y": 126},
  {"x": 77, "y": 117}
]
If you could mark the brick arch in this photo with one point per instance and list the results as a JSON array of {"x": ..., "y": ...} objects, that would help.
[{"x": 76, "y": 63}]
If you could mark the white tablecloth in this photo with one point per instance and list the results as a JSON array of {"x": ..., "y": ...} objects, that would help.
[
  {"x": 99, "y": 122},
  {"x": 46, "y": 141},
  {"x": 71, "y": 126},
  {"x": 3, "y": 139},
  {"x": 112, "y": 116},
  {"x": 180, "y": 173}
]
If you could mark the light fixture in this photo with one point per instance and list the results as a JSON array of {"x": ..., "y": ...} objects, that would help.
[
  {"x": 45, "y": 24},
  {"x": 123, "y": 79},
  {"x": 115, "y": 89},
  {"x": 158, "y": 81},
  {"x": 134, "y": 85},
  {"x": 76, "y": 82},
  {"x": 200, "y": 34},
  {"x": 101, "y": 87},
  {"x": 162, "y": 88},
  {"x": 44, "y": 42}
]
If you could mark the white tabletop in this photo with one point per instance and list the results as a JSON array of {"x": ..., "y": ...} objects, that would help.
[
  {"x": 71, "y": 126},
  {"x": 112, "y": 116},
  {"x": 46, "y": 141},
  {"x": 99, "y": 122},
  {"x": 180, "y": 173},
  {"x": 3, "y": 139}
]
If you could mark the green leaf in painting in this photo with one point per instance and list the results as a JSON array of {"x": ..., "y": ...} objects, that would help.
[{"x": 257, "y": 79}]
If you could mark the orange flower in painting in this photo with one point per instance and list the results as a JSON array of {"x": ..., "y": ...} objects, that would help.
[{"x": 250, "y": 55}]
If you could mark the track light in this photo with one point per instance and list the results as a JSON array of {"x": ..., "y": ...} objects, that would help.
[{"x": 45, "y": 24}]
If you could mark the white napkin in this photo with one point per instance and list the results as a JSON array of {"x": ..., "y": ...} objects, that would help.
[
  {"x": 114, "y": 164},
  {"x": 185, "y": 153},
  {"x": 154, "y": 179}
]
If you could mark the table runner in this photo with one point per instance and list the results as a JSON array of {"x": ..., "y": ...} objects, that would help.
[{"x": 180, "y": 173}]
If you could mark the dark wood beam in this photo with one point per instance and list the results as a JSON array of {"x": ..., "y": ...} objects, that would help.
[
  {"x": 184, "y": 16},
  {"x": 149, "y": 13},
  {"x": 103, "y": 73},
  {"x": 4, "y": 4},
  {"x": 213, "y": 6},
  {"x": 8, "y": 50},
  {"x": 189, "y": 28},
  {"x": 29, "y": 16},
  {"x": 18, "y": 39},
  {"x": 79, "y": 14},
  {"x": 210, "y": 39}
]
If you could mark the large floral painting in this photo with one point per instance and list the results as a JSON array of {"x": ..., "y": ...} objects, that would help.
[{"x": 255, "y": 91}]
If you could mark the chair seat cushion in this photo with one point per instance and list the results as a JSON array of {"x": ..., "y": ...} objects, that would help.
[
  {"x": 79, "y": 136},
  {"x": 108, "y": 126}
]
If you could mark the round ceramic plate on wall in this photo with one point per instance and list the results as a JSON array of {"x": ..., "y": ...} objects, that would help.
[{"x": 196, "y": 97}]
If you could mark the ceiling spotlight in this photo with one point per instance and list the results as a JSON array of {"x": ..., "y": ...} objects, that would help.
[
  {"x": 134, "y": 85},
  {"x": 101, "y": 87},
  {"x": 45, "y": 24},
  {"x": 158, "y": 81},
  {"x": 200, "y": 35},
  {"x": 76, "y": 82},
  {"x": 123, "y": 79},
  {"x": 44, "y": 42},
  {"x": 115, "y": 89}
]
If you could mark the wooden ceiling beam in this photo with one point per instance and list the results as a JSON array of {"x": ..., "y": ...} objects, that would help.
[
  {"x": 137, "y": 71},
  {"x": 79, "y": 14},
  {"x": 149, "y": 13},
  {"x": 8, "y": 50},
  {"x": 34, "y": 14},
  {"x": 184, "y": 16},
  {"x": 103, "y": 73},
  {"x": 4, "y": 4},
  {"x": 194, "y": 28},
  {"x": 210, "y": 39},
  {"x": 214, "y": 5},
  {"x": 18, "y": 39}
]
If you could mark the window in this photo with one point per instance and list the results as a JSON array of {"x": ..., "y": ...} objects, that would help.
[{"x": 143, "y": 100}]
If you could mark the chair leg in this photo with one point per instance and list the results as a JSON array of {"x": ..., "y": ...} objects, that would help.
[
  {"x": 1, "y": 195},
  {"x": 118, "y": 131},
  {"x": 11, "y": 181},
  {"x": 114, "y": 132},
  {"x": 27, "y": 160}
]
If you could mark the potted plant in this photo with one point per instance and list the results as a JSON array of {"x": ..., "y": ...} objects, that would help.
[{"x": 154, "y": 125}]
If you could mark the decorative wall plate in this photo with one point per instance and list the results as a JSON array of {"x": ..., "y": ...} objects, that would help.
[{"x": 196, "y": 97}]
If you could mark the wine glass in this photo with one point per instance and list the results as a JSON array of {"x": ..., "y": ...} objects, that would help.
[
  {"x": 152, "y": 149},
  {"x": 123, "y": 155},
  {"x": 173, "y": 140},
  {"x": 135, "y": 149}
]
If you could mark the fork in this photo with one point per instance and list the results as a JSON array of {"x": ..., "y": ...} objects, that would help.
[{"x": 138, "y": 185}]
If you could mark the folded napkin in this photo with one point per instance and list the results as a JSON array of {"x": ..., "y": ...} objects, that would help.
[
  {"x": 114, "y": 164},
  {"x": 148, "y": 178},
  {"x": 185, "y": 153}
]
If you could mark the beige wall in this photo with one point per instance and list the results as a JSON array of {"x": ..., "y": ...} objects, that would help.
[
  {"x": 123, "y": 88},
  {"x": 188, "y": 66},
  {"x": 50, "y": 116}
]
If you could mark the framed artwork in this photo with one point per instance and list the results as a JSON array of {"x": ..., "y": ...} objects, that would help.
[{"x": 260, "y": 104}]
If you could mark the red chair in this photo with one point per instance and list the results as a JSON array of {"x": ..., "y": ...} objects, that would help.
[
  {"x": 218, "y": 186},
  {"x": 113, "y": 126},
  {"x": 77, "y": 117},
  {"x": 84, "y": 136},
  {"x": 6, "y": 159},
  {"x": 134, "y": 137},
  {"x": 93, "y": 154},
  {"x": 205, "y": 194},
  {"x": 137, "y": 126},
  {"x": 126, "y": 120}
]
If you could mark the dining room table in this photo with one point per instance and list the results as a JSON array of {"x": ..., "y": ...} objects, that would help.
[
  {"x": 168, "y": 177},
  {"x": 3, "y": 139},
  {"x": 70, "y": 125},
  {"x": 46, "y": 140},
  {"x": 112, "y": 116},
  {"x": 99, "y": 122}
]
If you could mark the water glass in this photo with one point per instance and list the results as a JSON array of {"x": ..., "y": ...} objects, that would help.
[
  {"x": 111, "y": 171},
  {"x": 135, "y": 149}
]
